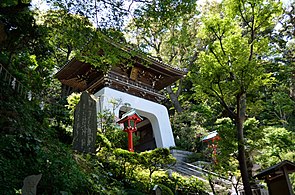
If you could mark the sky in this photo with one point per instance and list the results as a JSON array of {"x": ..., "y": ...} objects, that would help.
[{"x": 41, "y": 4}]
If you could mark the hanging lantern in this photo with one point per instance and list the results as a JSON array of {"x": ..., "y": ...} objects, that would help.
[{"x": 129, "y": 120}]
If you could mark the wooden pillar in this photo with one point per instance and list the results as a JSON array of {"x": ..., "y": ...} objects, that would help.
[{"x": 130, "y": 141}]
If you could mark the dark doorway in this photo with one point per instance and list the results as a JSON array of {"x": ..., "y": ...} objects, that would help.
[
  {"x": 145, "y": 133},
  {"x": 146, "y": 136}
]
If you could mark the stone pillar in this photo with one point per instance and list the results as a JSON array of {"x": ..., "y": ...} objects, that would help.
[{"x": 85, "y": 124}]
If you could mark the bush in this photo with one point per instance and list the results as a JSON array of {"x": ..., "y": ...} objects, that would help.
[
  {"x": 28, "y": 145},
  {"x": 132, "y": 192},
  {"x": 179, "y": 184},
  {"x": 165, "y": 190}
]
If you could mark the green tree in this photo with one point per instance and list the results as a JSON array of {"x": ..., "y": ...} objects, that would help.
[
  {"x": 188, "y": 126},
  {"x": 232, "y": 65},
  {"x": 103, "y": 13},
  {"x": 126, "y": 163},
  {"x": 156, "y": 159},
  {"x": 276, "y": 145},
  {"x": 68, "y": 34},
  {"x": 24, "y": 48},
  {"x": 283, "y": 47},
  {"x": 166, "y": 29},
  {"x": 112, "y": 131},
  {"x": 280, "y": 97}
]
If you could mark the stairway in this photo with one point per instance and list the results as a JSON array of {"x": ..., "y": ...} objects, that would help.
[
  {"x": 221, "y": 184},
  {"x": 187, "y": 169}
]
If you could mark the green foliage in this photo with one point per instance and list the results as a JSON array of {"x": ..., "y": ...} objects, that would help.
[
  {"x": 60, "y": 172},
  {"x": 237, "y": 51},
  {"x": 231, "y": 64},
  {"x": 281, "y": 106},
  {"x": 139, "y": 172},
  {"x": 112, "y": 131},
  {"x": 105, "y": 14},
  {"x": 228, "y": 142},
  {"x": 28, "y": 146},
  {"x": 187, "y": 129},
  {"x": 156, "y": 159},
  {"x": 74, "y": 36},
  {"x": 24, "y": 47},
  {"x": 126, "y": 162},
  {"x": 227, "y": 146},
  {"x": 266, "y": 145},
  {"x": 165, "y": 34},
  {"x": 102, "y": 53},
  {"x": 165, "y": 190},
  {"x": 68, "y": 33},
  {"x": 72, "y": 102},
  {"x": 178, "y": 184},
  {"x": 277, "y": 145},
  {"x": 133, "y": 192}
]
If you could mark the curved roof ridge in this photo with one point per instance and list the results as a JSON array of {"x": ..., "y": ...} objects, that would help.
[
  {"x": 128, "y": 48},
  {"x": 140, "y": 54}
]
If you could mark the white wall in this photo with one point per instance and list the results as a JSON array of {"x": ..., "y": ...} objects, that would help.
[{"x": 156, "y": 113}]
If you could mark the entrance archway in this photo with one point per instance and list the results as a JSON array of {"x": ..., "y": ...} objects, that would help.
[
  {"x": 157, "y": 114},
  {"x": 144, "y": 131}
]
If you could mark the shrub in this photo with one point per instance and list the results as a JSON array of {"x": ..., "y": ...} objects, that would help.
[
  {"x": 179, "y": 184},
  {"x": 165, "y": 190}
]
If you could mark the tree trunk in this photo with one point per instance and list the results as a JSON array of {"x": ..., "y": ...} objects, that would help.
[
  {"x": 292, "y": 86},
  {"x": 174, "y": 99},
  {"x": 242, "y": 158},
  {"x": 241, "y": 115}
]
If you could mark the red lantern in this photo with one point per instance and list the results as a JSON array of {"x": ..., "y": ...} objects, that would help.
[
  {"x": 130, "y": 119},
  {"x": 212, "y": 141}
]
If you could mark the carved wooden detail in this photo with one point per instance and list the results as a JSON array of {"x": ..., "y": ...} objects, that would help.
[
  {"x": 134, "y": 73},
  {"x": 136, "y": 78}
]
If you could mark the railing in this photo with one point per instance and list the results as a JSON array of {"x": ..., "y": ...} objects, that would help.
[
  {"x": 25, "y": 92},
  {"x": 158, "y": 96},
  {"x": 15, "y": 84},
  {"x": 141, "y": 86},
  {"x": 255, "y": 192}
]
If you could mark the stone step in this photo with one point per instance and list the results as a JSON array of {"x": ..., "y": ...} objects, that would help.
[
  {"x": 187, "y": 169},
  {"x": 180, "y": 155},
  {"x": 183, "y": 171},
  {"x": 192, "y": 171}
]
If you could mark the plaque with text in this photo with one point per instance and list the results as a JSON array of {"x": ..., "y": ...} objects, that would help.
[{"x": 85, "y": 124}]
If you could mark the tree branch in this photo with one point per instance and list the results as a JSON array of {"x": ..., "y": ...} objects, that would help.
[
  {"x": 243, "y": 17},
  {"x": 174, "y": 98},
  {"x": 258, "y": 26},
  {"x": 216, "y": 57},
  {"x": 252, "y": 33},
  {"x": 179, "y": 88},
  {"x": 224, "y": 104},
  {"x": 219, "y": 87},
  {"x": 220, "y": 40},
  {"x": 193, "y": 59}
]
